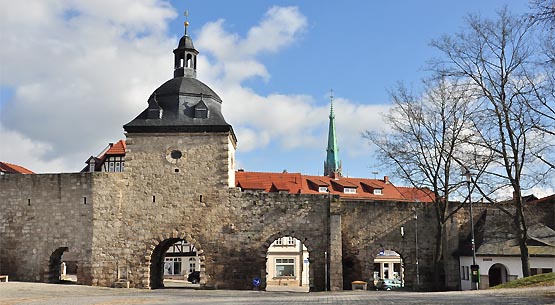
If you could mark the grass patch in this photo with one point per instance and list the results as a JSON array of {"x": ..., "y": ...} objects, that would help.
[{"x": 544, "y": 279}]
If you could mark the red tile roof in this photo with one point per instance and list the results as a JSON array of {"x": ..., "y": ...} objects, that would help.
[
  {"x": 297, "y": 183},
  {"x": 117, "y": 149},
  {"x": 414, "y": 194},
  {"x": 13, "y": 169}
]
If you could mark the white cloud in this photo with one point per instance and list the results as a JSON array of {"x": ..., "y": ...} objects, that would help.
[
  {"x": 82, "y": 69},
  {"x": 33, "y": 152},
  {"x": 79, "y": 70}
]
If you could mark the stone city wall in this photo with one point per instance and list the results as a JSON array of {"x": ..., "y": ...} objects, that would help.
[
  {"x": 369, "y": 227},
  {"x": 40, "y": 214}
]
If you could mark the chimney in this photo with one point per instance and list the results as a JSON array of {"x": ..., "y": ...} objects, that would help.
[{"x": 386, "y": 179}]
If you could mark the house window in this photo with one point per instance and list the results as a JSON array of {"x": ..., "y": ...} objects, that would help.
[
  {"x": 466, "y": 273},
  {"x": 349, "y": 190},
  {"x": 172, "y": 266},
  {"x": 290, "y": 241},
  {"x": 192, "y": 264},
  {"x": 323, "y": 189},
  {"x": 285, "y": 267},
  {"x": 111, "y": 166},
  {"x": 385, "y": 270},
  {"x": 378, "y": 192},
  {"x": 117, "y": 168},
  {"x": 278, "y": 242},
  {"x": 91, "y": 167}
]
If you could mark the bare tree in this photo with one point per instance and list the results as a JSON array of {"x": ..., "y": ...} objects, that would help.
[
  {"x": 543, "y": 11},
  {"x": 543, "y": 18},
  {"x": 498, "y": 57},
  {"x": 424, "y": 135}
]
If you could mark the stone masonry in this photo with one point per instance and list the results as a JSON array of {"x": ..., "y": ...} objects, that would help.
[{"x": 105, "y": 221}]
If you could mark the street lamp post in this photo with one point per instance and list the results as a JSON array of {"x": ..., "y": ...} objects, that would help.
[
  {"x": 416, "y": 246},
  {"x": 475, "y": 271}
]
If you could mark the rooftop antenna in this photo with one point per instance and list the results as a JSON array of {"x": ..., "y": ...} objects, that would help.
[{"x": 375, "y": 173}]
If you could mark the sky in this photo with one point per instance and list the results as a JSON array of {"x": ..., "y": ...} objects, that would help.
[{"x": 73, "y": 72}]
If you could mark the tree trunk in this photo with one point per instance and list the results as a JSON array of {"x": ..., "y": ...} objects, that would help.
[
  {"x": 522, "y": 236},
  {"x": 524, "y": 257},
  {"x": 521, "y": 233},
  {"x": 437, "y": 267}
]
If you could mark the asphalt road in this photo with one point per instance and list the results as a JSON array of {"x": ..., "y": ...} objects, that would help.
[{"x": 37, "y": 293}]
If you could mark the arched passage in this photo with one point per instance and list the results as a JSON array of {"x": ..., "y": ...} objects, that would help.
[
  {"x": 497, "y": 274},
  {"x": 54, "y": 265},
  {"x": 175, "y": 264},
  {"x": 388, "y": 263},
  {"x": 388, "y": 270},
  {"x": 288, "y": 263}
]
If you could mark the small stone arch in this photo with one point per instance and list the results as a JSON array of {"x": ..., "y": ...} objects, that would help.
[
  {"x": 373, "y": 252},
  {"x": 157, "y": 248},
  {"x": 53, "y": 264},
  {"x": 297, "y": 235}
]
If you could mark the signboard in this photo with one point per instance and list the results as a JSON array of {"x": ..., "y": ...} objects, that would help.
[
  {"x": 475, "y": 273},
  {"x": 256, "y": 281}
]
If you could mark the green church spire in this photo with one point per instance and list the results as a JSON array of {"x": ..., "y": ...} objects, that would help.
[{"x": 332, "y": 165}]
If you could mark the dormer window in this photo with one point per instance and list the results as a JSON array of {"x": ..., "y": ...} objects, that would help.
[
  {"x": 349, "y": 190},
  {"x": 201, "y": 111},
  {"x": 323, "y": 189},
  {"x": 290, "y": 241},
  {"x": 378, "y": 192}
]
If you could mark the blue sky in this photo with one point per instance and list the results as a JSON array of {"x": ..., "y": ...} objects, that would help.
[{"x": 99, "y": 61}]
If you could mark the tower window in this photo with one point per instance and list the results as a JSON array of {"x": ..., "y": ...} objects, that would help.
[{"x": 189, "y": 61}]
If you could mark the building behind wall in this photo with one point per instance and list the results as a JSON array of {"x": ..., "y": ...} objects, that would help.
[
  {"x": 497, "y": 250},
  {"x": 287, "y": 263},
  {"x": 180, "y": 260}
]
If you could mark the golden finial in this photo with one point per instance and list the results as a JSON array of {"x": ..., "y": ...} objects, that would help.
[{"x": 186, "y": 23}]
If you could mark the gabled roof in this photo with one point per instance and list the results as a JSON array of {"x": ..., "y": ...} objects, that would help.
[
  {"x": 13, "y": 169},
  {"x": 495, "y": 237},
  {"x": 305, "y": 184},
  {"x": 343, "y": 183},
  {"x": 415, "y": 194},
  {"x": 113, "y": 149},
  {"x": 117, "y": 149},
  {"x": 269, "y": 182}
]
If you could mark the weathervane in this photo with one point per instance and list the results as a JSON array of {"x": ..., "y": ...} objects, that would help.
[{"x": 186, "y": 23}]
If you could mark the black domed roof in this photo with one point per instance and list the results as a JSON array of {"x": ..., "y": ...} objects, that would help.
[
  {"x": 184, "y": 86},
  {"x": 183, "y": 103},
  {"x": 186, "y": 43}
]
